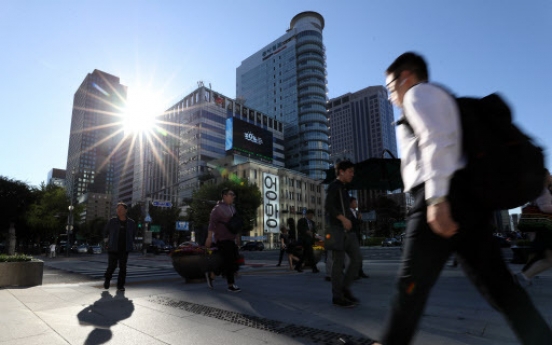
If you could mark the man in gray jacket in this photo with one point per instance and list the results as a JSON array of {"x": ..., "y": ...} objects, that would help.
[{"x": 120, "y": 232}]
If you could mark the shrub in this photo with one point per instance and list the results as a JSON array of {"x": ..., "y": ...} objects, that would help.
[{"x": 15, "y": 258}]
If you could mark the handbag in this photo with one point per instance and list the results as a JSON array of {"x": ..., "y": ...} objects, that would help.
[
  {"x": 335, "y": 235},
  {"x": 235, "y": 224}
]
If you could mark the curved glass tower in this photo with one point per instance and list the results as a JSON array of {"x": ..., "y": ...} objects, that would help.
[{"x": 287, "y": 79}]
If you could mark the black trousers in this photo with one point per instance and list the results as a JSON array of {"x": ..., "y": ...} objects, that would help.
[
  {"x": 308, "y": 255},
  {"x": 282, "y": 251},
  {"x": 480, "y": 256},
  {"x": 115, "y": 258},
  {"x": 341, "y": 282},
  {"x": 229, "y": 253}
]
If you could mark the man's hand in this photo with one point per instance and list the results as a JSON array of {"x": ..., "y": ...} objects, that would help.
[
  {"x": 347, "y": 225},
  {"x": 208, "y": 243},
  {"x": 440, "y": 220}
]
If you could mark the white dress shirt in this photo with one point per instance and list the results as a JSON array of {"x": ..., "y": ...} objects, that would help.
[{"x": 433, "y": 152}]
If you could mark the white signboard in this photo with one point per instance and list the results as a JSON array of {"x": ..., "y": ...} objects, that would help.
[{"x": 271, "y": 189}]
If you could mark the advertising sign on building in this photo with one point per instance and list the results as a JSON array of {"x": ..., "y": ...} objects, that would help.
[
  {"x": 249, "y": 140},
  {"x": 271, "y": 188}
]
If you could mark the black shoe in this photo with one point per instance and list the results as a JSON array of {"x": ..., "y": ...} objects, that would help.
[
  {"x": 234, "y": 288},
  {"x": 349, "y": 296},
  {"x": 315, "y": 270},
  {"x": 363, "y": 275},
  {"x": 106, "y": 284},
  {"x": 342, "y": 302},
  {"x": 298, "y": 269},
  {"x": 328, "y": 279},
  {"x": 278, "y": 265},
  {"x": 121, "y": 289},
  {"x": 209, "y": 280}
]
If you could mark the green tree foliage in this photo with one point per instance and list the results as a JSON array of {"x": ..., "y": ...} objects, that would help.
[
  {"x": 49, "y": 214},
  {"x": 387, "y": 213},
  {"x": 166, "y": 217},
  {"x": 92, "y": 231},
  {"x": 15, "y": 199},
  {"x": 248, "y": 199}
]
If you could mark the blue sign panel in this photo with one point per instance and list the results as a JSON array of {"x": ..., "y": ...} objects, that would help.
[
  {"x": 182, "y": 226},
  {"x": 161, "y": 203}
]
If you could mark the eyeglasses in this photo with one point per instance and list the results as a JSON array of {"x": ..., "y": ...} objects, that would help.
[
  {"x": 389, "y": 89},
  {"x": 231, "y": 194}
]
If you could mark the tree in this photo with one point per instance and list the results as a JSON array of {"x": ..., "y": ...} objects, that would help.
[
  {"x": 166, "y": 217},
  {"x": 93, "y": 229},
  {"x": 48, "y": 215},
  {"x": 15, "y": 199},
  {"x": 248, "y": 199},
  {"x": 387, "y": 213}
]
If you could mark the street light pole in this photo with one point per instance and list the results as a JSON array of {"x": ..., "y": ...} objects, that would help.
[{"x": 69, "y": 226}]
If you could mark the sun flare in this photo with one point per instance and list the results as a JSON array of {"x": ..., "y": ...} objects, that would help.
[{"x": 142, "y": 108}]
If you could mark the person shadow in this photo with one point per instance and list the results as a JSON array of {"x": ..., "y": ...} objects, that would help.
[{"x": 104, "y": 314}]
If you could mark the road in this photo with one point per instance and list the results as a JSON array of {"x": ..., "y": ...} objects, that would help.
[{"x": 83, "y": 267}]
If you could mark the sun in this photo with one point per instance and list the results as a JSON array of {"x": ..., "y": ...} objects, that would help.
[{"x": 143, "y": 106}]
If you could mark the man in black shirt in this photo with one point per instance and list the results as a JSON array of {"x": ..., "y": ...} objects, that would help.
[
  {"x": 120, "y": 231},
  {"x": 338, "y": 216}
]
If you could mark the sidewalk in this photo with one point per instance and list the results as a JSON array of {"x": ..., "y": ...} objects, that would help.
[{"x": 276, "y": 306}]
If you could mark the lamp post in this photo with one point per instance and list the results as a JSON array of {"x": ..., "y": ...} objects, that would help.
[{"x": 69, "y": 226}]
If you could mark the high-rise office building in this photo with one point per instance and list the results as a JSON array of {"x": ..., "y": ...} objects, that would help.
[
  {"x": 202, "y": 127},
  {"x": 361, "y": 125},
  {"x": 96, "y": 134},
  {"x": 287, "y": 80},
  {"x": 56, "y": 177}
]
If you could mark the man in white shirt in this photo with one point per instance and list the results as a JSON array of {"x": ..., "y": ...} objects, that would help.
[{"x": 445, "y": 218}]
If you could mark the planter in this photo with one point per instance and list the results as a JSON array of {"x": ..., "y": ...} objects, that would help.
[
  {"x": 521, "y": 254},
  {"x": 191, "y": 261},
  {"x": 24, "y": 273}
]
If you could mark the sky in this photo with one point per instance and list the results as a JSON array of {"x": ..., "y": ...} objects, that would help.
[{"x": 165, "y": 47}]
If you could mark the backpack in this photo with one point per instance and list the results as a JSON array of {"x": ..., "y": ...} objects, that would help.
[{"x": 505, "y": 169}]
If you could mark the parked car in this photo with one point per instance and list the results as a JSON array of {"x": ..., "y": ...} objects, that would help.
[
  {"x": 252, "y": 246},
  {"x": 390, "y": 242},
  {"x": 82, "y": 249},
  {"x": 159, "y": 246},
  {"x": 97, "y": 249}
]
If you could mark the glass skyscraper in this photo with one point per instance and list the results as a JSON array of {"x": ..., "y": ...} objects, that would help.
[
  {"x": 96, "y": 131},
  {"x": 361, "y": 125},
  {"x": 287, "y": 79}
]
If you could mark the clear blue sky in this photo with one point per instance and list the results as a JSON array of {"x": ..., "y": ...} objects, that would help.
[{"x": 48, "y": 47}]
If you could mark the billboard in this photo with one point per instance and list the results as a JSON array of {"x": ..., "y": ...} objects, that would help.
[
  {"x": 271, "y": 198},
  {"x": 248, "y": 140}
]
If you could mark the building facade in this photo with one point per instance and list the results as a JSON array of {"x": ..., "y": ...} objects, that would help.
[
  {"x": 287, "y": 194},
  {"x": 56, "y": 177},
  {"x": 202, "y": 127},
  {"x": 96, "y": 133},
  {"x": 361, "y": 125},
  {"x": 287, "y": 80}
]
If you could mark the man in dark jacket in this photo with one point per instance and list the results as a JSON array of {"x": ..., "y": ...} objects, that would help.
[
  {"x": 307, "y": 232},
  {"x": 120, "y": 232},
  {"x": 338, "y": 218}
]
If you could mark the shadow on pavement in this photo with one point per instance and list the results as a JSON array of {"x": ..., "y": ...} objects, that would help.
[{"x": 104, "y": 314}]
